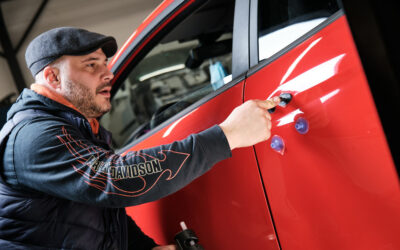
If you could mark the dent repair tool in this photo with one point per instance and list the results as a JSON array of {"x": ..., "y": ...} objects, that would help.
[{"x": 187, "y": 239}]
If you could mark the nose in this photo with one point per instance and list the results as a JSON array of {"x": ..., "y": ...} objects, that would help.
[{"x": 108, "y": 75}]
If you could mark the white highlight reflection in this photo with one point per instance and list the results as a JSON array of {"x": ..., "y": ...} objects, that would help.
[
  {"x": 329, "y": 95},
  {"x": 311, "y": 77},
  {"x": 161, "y": 71},
  {"x": 172, "y": 127},
  {"x": 169, "y": 130},
  {"x": 294, "y": 64},
  {"x": 289, "y": 117}
]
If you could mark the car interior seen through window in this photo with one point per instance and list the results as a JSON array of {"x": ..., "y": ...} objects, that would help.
[
  {"x": 280, "y": 23},
  {"x": 191, "y": 61}
]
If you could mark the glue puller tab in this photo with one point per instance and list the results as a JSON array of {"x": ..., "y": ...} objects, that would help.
[{"x": 285, "y": 98}]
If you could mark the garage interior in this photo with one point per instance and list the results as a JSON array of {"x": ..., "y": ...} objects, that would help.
[{"x": 22, "y": 20}]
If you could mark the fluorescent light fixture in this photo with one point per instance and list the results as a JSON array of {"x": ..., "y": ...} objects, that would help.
[{"x": 161, "y": 71}]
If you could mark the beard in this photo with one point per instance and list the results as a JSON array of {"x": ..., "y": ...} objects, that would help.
[{"x": 84, "y": 100}]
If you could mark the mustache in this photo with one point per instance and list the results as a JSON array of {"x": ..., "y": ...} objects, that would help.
[{"x": 104, "y": 85}]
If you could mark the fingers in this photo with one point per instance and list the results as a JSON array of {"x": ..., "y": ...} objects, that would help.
[
  {"x": 249, "y": 123},
  {"x": 168, "y": 247},
  {"x": 269, "y": 124},
  {"x": 268, "y": 104}
]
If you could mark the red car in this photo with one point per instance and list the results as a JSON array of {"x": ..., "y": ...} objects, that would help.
[{"x": 325, "y": 180}]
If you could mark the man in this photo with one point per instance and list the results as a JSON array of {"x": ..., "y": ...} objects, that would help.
[{"x": 61, "y": 185}]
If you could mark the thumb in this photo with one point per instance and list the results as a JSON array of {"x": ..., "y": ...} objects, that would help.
[{"x": 270, "y": 103}]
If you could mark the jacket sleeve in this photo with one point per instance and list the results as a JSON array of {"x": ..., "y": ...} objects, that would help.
[{"x": 52, "y": 157}]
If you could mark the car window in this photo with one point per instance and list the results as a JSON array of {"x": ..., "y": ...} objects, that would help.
[
  {"x": 282, "y": 22},
  {"x": 191, "y": 61}
]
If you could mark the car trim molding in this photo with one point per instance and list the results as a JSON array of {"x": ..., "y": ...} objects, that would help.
[{"x": 240, "y": 47}]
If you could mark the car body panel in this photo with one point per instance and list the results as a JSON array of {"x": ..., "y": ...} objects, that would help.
[{"x": 336, "y": 186}]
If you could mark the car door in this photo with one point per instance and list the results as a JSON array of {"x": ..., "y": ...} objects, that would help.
[
  {"x": 328, "y": 172},
  {"x": 174, "y": 77}
]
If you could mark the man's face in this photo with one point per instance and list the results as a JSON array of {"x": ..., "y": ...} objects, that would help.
[{"x": 86, "y": 83}]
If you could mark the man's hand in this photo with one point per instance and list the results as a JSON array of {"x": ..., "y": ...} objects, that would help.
[
  {"x": 168, "y": 247},
  {"x": 249, "y": 123}
]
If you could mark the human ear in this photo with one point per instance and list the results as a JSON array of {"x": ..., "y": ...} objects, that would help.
[{"x": 52, "y": 76}]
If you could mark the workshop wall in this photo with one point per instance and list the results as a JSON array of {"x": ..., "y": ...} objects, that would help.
[{"x": 117, "y": 18}]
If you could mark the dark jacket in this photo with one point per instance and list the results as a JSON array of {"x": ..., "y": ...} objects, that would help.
[{"x": 62, "y": 187}]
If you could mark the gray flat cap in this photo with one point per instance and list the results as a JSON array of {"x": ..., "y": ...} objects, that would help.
[{"x": 52, "y": 44}]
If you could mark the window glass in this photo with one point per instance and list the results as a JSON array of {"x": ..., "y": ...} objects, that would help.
[
  {"x": 281, "y": 22},
  {"x": 190, "y": 62}
]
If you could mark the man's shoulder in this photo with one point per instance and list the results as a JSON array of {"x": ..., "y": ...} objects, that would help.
[
  {"x": 32, "y": 117},
  {"x": 39, "y": 126}
]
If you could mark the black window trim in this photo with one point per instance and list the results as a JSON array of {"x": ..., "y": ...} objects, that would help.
[
  {"x": 240, "y": 45},
  {"x": 253, "y": 33}
]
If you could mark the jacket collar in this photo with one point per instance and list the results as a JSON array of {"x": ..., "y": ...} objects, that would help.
[{"x": 44, "y": 91}]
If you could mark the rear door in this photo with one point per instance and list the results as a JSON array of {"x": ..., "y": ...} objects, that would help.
[
  {"x": 329, "y": 175},
  {"x": 176, "y": 79}
]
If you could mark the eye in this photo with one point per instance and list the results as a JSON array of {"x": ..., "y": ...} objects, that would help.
[{"x": 91, "y": 65}]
